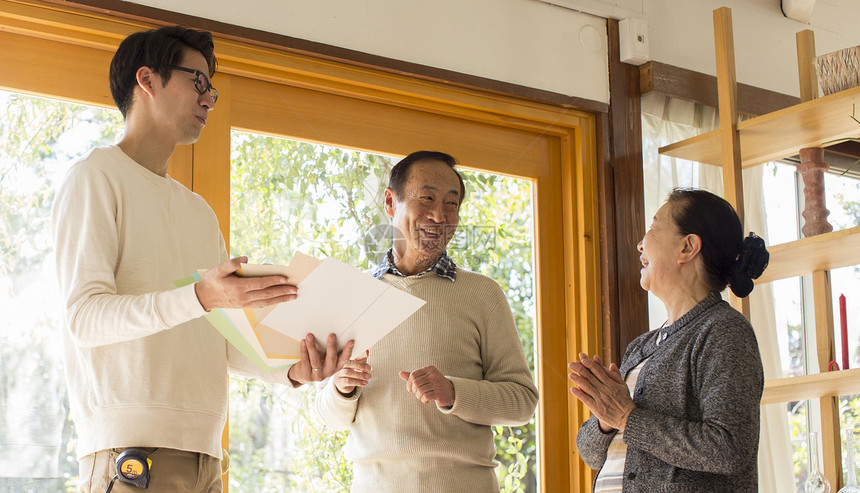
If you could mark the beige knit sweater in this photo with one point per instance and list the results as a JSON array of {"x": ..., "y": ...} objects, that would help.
[
  {"x": 398, "y": 444},
  {"x": 143, "y": 368}
]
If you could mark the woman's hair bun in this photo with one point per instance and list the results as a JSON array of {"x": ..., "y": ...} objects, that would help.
[{"x": 749, "y": 265}]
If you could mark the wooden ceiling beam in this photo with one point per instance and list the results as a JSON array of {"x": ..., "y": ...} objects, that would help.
[{"x": 702, "y": 88}]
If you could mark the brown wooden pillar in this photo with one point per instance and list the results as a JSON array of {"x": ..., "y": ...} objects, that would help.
[{"x": 622, "y": 206}]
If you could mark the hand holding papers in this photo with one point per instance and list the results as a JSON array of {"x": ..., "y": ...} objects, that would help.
[{"x": 333, "y": 298}]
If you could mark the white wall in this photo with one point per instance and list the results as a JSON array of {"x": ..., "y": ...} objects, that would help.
[
  {"x": 681, "y": 33},
  {"x": 555, "y": 45},
  {"x": 765, "y": 44},
  {"x": 525, "y": 42}
]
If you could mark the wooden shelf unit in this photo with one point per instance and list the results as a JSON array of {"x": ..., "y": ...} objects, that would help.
[
  {"x": 816, "y": 386},
  {"x": 737, "y": 145},
  {"x": 781, "y": 133},
  {"x": 814, "y": 253}
]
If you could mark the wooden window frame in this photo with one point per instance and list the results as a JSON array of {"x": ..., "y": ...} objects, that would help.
[{"x": 63, "y": 52}]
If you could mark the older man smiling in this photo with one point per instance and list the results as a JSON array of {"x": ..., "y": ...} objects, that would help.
[{"x": 421, "y": 421}]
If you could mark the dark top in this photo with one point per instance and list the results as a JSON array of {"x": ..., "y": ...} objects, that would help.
[{"x": 696, "y": 423}]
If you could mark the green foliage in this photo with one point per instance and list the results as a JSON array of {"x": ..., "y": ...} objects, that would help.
[
  {"x": 851, "y": 205},
  {"x": 516, "y": 468},
  {"x": 795, "y": 349},
  {"x": 797, "y": 423},
  {"x": 271, "y": 441},
  {"x": 290, "y": 196},
  {"x": 36, "y": 136},
  {"x": 39, "y": 140},
  {"x": 849, "y": 413},
  {"x": 328, "y": 466}
]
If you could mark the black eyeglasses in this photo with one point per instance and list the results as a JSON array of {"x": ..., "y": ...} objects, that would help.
[{"x": 201, "y": 81}]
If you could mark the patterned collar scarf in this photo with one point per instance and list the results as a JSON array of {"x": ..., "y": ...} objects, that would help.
[{"x": 443, "y": 267}]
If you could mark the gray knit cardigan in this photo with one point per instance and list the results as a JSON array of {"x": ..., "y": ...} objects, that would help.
[{"x": 696, "y": 423}]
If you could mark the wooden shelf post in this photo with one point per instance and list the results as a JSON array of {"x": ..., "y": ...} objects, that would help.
[
  {"x": 806, "y": 65},
  {"x": 815, "y": 213},
  {"x": 733, "y": 189},
  {"x": 732, "y": 166},
  {"x": 831, "y": 442}
]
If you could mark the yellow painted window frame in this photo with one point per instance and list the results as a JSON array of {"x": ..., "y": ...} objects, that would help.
[{"x": 61, "y": 52}]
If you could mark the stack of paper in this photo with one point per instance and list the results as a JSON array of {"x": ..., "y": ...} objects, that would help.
[{"x": 333, "y": 298}]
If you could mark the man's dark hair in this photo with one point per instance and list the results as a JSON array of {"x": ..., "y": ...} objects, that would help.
[
  {"x": 156, "y": 49},
  {"x": 400, "y": 172}
]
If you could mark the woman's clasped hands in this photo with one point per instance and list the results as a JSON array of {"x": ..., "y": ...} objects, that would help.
[{"x": 602, "y": 390}]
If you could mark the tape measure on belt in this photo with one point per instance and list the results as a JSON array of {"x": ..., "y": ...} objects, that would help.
[{"x": 132, "y": 466}]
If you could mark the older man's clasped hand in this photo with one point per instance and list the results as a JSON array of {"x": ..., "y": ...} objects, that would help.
[
  {"x": 602, "y": 390},
  {"x": 355, "y": 373},
  {"x": 429, "y": 384}
]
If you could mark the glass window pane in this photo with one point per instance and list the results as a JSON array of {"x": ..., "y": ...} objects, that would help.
[
  {"x": 289, "y": 196},
  {"x": 849, "y": 419},
  {"x": 779, "y": 184},
  {"x": 793, "y": 299},
  {"x": 842, "y": 200},
  {"x": 798, "y": 425},
  {"x": 788, "y": 310},
  {"x": 780, "y": 198},
  {"x": 41, "y": 138}
]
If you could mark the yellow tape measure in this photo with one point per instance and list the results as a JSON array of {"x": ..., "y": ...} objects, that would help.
[{"x": 132, "y": 466}]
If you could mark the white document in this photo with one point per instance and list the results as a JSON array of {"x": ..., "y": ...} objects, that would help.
[
  {"x": 274, "y": 352},
  {"x": 333, "y": 298}
]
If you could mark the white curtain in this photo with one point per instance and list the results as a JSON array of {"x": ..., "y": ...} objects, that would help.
[{"x": 667, "y": 120}]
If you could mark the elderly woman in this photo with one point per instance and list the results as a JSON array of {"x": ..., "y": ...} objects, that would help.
[{"x": 681, "y": 413}]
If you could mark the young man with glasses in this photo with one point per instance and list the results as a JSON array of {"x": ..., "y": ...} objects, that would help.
[{"x": 144, "y": 369}]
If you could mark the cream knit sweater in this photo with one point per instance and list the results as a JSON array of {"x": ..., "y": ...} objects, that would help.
[
  {"x": 143, "y": 369},
  {"x": 398, "y": 444}
]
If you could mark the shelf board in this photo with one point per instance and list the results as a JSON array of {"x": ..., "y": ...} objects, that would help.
[
  {"x": 781, "y": 133},
  {"x": 834, "y": 383},
  {"x": 820, "y": 252}
]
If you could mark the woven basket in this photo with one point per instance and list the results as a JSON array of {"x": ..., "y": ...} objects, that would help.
[{"x": 839, "y": 70}]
